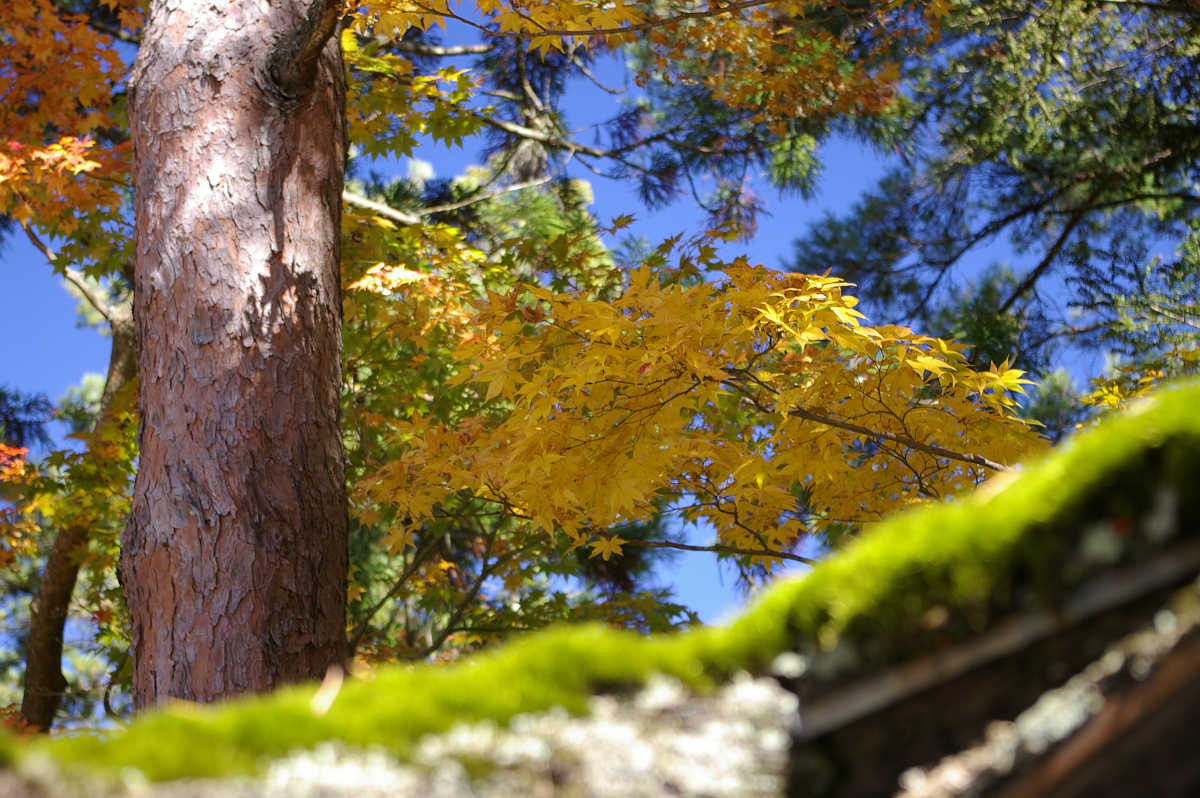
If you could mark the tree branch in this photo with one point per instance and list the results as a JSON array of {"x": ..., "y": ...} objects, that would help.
[
  {"x": 1045, "y": 263},
  {"x": 649, "y": 24},
  {"x": 720, "y": 548},
  {"x": 545, "y": 138},
  {"x": 451, "y": 206},
  {"x": 485, "y": 571},
  {"x": 442, "y": 51},
  {"x": 44, "y": 680},
  {"x": 587, "y": 73},
  {"x": 1192, "y": 10},
  {"x": 1173, "y": 316},
  {"x": 364, "y": 625},
  {"x": 571, "y": 147},
  {"x": 112, "y": 313},
  {"x": 1066, "y": 332},
  {"x": 739, "y": 376},
  {"x": 114, "y": 31},
  {"x": 903, "y": 440},
  {"x": 387, "y": 211},
  {"x": 404, "y": 217},
  {"x": 293, "y": 63}
]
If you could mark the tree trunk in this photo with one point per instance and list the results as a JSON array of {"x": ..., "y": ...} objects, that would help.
[
  {"x": 234, "y": 558},
  {"x": 44, "y": 680}
]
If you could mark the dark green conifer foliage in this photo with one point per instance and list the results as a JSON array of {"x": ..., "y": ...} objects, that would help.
[{"x": 1067, "y": 131}]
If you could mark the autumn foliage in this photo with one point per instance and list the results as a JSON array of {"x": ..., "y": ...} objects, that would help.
[
  {"x": 757, "y": 402},
  {"x": 64, "y": 160},
  {"x": 514, "y": 395}
]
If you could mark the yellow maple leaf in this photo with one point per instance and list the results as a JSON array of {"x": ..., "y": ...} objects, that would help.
[{"x": 607, "y": 547}]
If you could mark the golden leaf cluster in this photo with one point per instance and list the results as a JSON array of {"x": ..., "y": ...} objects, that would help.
[
  {"x": 780, "y": 59},
  {"x": 1130, "y": 381},
  {"x": 759, "y": 403}
]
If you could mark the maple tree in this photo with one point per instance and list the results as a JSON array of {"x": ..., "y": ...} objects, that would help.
[
  {"x": 760, "y": 399},
  {"x": 512, "y": 394}
]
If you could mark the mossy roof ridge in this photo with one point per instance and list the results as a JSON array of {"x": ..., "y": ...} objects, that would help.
[
  {"x": 995, "y": 551},
  {"x": 1111, "y": 496}
]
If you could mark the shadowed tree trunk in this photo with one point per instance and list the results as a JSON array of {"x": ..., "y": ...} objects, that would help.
[
  {"x": 234, "y": 558},
  {"x": 44, "y": 681}
]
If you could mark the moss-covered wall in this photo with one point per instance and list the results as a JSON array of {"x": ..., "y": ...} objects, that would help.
[{"x": 927, "y": 579}]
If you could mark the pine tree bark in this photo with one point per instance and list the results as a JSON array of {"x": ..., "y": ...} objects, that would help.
[{"x": 234, "y": 558}]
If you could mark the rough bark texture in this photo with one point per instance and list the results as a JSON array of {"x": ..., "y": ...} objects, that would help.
[
  {"x": 44, "y": 680},
  {"x": 234, "y": 558}
]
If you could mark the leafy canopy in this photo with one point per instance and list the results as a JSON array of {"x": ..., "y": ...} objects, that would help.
[
  {"x": 1044, "y": 199},
  {"x": 523, "y": 403},
  {"x": 759, "y": 401}
]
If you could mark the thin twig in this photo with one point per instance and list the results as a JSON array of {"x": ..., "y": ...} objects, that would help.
[
  {"x": 113, "y": 314},
  {"x": 587, "y": 73},
  {"x": 720, "y": 548},
  {"x": 904, "y": 440},
  {"x": 442, "y": 51},
  {"x": 739, "y": 376},
  {"x": 364, "y": 625}
]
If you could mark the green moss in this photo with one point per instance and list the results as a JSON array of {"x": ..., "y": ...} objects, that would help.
[
  {"x": 8, "y": 750},
  {"x": 971, "y": 560}
]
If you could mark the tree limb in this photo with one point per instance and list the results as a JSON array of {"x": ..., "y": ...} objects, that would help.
[
  {"x": 364, "y": 625},
  {"x": 1045, "y": 263},
  {"x": 485, "y": 571},
  {"x": 903, "y": 440},
  {"x": 649, "y": 24},
  {"x": 442, "y": 51},
  {"x": 1067, "y": 332},
  {"x": 1192, "y": 10},
  {"x": 293, "y": 63},
  {"x": 545, "y": 138},
  {"x": 571, "y": 147},
  {"x": 451, "y": 206},
  {"x": 44, "y": 681},
  {"x": 386, "y": 211},
  {"x": 1172, "y": 315},
  {"x": 114, "y": 31},
  {"x": 404, "y": 217},
  {"x": 112, "y": 313},
  {"x": 720, "y": 548}
]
